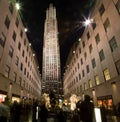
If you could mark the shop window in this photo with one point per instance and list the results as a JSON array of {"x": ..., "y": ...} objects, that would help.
[
  {"x": 2, "y": 39},
  {"x": 7, "y": 22},
  {"x": 106, "y": 74},
  {"x": 101, "y": 55},
  {"x": 113, "y": 44},
  {"x": 107, "y": 25},
  {"x": 101, "y": 9}
]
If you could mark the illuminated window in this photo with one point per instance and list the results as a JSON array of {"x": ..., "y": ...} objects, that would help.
[
  {"x": 106, "y": 74},
  {"x": 113, "y": 44},
  {"x": 85, "y": 86},
  {"x": 97, "y": 80},
  {"x": 7, "y": 71},
  {"x": 14, "y": 77},
  {"x": 90, "y": 83}
]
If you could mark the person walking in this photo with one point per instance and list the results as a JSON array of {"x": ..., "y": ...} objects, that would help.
[{"x": 86, "y": 110}]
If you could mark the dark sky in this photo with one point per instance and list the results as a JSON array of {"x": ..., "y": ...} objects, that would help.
[{"x": 69, "y": 14}]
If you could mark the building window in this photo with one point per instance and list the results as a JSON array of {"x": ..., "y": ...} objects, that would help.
[
  {"x": 79, "y": 76},
  {"x": 21, "y": 67},
  {"x": 24, "y": 41},
  {"x": 17, "y": 22},
  {"x": 93, "y": 63},
  {"x": 97, "y": 38},
  {"x": 85, "y": 86},
  {"x": 14, "y": 36},
  {"x": 90, "y": 83},
  {"x": 17, "y": 60},
  {"x": 2, "y": 39},
  {"x": 94, "y": 25},
  {"x": 118, "y": 6},
  {"x": 83, "y": 44},
  {"x": 19, "y": 45},
  {"x": 107, "y": 24},
  {"x": 113, "y": 44},
  {"x": 101, "y": 55},
  {"x": 11, "y": 52},
  {"x": 81, "y": 61},
  {"x": 11, "y": 8},
  {"x": 20, "y": 81},
  {"x": 21, "y": 33},
  {"x": 23, "y": 53},
  {"x": 101, "y": 9},
  {"x": 90, "y": 48},
  {"x": 80, "y": 50},
  {"x": 106, "y": 74},
  {"x": 26, "y": 59},
  {"x": 97, "y": 80},
  {"x": 83, "y": 73},
  {"x": 25, "y": 71},
  {"x": 78, "y": 66},
  {"x": 87, "y": 68},
  {"x": 118, "y": 66},
  {"x": 88, "y": 35},
  {"x": 14, "y": 77},
  {"x": 7, "y": 71},
  {"x": 7, "y": 22}
]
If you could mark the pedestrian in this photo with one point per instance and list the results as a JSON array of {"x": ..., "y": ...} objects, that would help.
[{"x": 86, "y": 110}]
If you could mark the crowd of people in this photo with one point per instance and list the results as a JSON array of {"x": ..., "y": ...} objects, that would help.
[{"x": 41, "y": 112}]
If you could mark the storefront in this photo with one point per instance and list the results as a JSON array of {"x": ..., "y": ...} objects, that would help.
[{"x": 105, "y": 101}]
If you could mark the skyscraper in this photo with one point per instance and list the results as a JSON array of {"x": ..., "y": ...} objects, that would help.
[{"x": 51, "y": 53}]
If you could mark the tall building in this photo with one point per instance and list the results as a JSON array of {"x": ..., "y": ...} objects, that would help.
[
  {"x": 19, "y": 75},
  {"x": 51, "y": 53},
  {"x": 93, "y": 64}
]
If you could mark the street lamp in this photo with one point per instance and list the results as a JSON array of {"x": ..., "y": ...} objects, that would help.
[{"x": 17, "y": 6}]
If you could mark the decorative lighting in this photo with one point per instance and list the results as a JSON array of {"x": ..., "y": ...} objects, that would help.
[
  {"x": 74, "y": 51},
  {"x": 88, "y": 22},
  {"x": 33, "y": 54},
  {"x": 29, "y": 44}
]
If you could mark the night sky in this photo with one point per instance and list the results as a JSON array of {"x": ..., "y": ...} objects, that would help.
[{"x": 69, "y": 15}]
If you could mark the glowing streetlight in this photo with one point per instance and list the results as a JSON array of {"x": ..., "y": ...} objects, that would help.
[
  {"x": 17, "y": 6},
  {"x": 88, "y": 22},
  {"x": 25, "y": 29}
]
